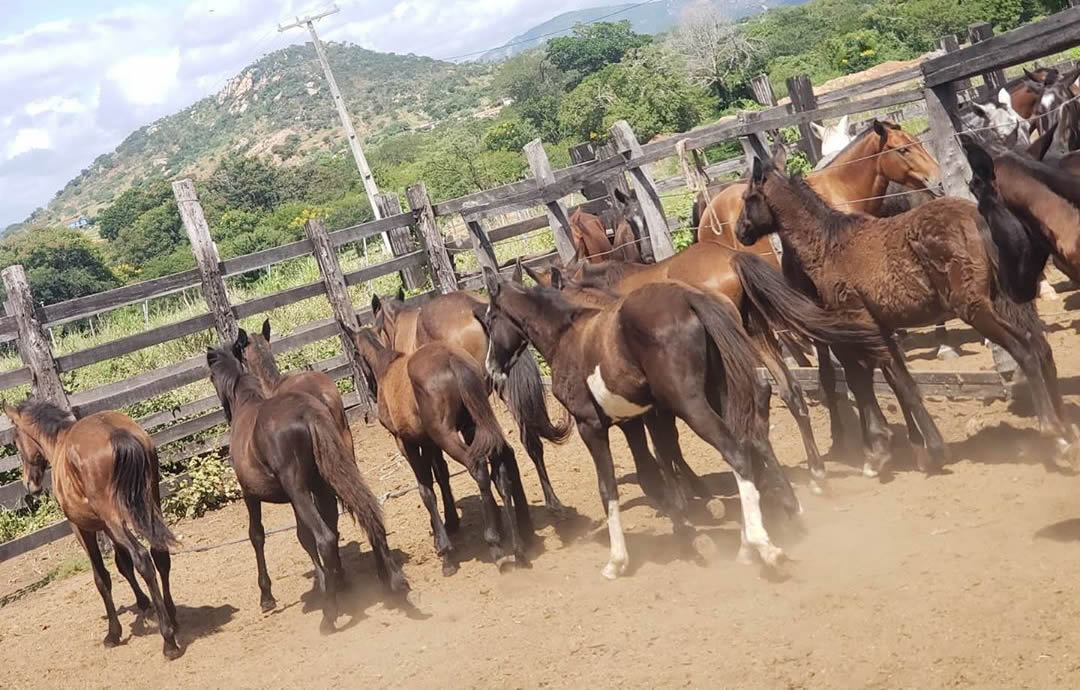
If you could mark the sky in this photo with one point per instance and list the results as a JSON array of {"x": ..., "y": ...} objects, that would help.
[{"x": 80, "y": 75}]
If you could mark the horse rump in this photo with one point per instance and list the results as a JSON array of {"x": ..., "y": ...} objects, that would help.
[{"x": 134, "y": 479}]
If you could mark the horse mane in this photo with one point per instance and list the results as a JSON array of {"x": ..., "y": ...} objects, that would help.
[
  {"x": 859, "y": 138},
  {"x": 833, "y": 222},
  {"x": 603, "y": 276},
  {"x": 235, "y": 381},
  {"x": 263, "y": 361},
  {"x": 48, "y": 418}
]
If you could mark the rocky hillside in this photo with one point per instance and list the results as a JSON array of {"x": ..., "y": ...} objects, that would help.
[{"x": 280, "y": 107}]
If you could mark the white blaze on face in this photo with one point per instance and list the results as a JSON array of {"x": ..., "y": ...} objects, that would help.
[
  {"x": 493, "y": 369},
  {"x": 613, "y": 405},
  {"x": 1048, "y": 100},
  {"x": 620, "y": 559}
]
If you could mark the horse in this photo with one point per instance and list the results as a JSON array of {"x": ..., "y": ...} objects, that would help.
[
  {"x": 1001, "y": 122},
  {"x": 1056, "y": 95},
  {"x": 589, "y": 232},
  {"x": 255, "y": 354},
  {"x": 856, "y": 181},
  {"x": 834, "y": 138},
  {"x": 767, "y": 304},
  {"x": 105, "y": 476},
  {"x": 285, "y": 449},
  {"x": 912, "y": 270},
  {"x": 663, "y": 346},
  {"x": 456, "y": 319},
  {"x": 435, "y": 401},
  {"x": 1026, "y": 91}
]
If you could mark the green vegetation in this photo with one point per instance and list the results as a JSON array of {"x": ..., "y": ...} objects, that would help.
[{"x": 211, "y": 484}]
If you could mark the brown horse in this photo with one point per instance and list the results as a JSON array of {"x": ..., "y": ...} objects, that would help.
[
  {"x": 855, "y": 182},
  {"x": 286, "y": 449},
  {"x": 430, "y": 401},
  {"x": 1026, "y": 91},
  {"x": 912, "y": 270},
  {"x": 590, "y": 232},
  {"x": 105, "y": 476},
  {"x": 662, "y": 346},
  {"x": 767, "y": 303},
  {"x": 455, "y": 319},
  {"x": 255, "y": 354}
]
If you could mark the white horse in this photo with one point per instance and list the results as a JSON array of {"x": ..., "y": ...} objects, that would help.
[{"x": 834, "y": 138}]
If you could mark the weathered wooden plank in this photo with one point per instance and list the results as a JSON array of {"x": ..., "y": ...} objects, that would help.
[
  {"x": 558, "y": 218},
  {"x": 189, "y": 427},
  {"x": 520, "y": 227},
  {"x": 261, "y": 259},
  {"x": 627, "y": 144},
  {"x": 412, "y": 277},
  {"x": 940, "y": 110},
  {"x": 763, "y": 90},
  {"x": 362, "y": 275},
  {"x": 871, "y": 85},
  {"x": 1054, "y": 34},
  {"x": 278, "y": 299},
  {"x": 134, "y": 343},
  {"x": 34, "y": 540},
  {"x": 8, "y": 325},
  {"x": 195, "y": 407},
  {"x": 15, "y": 377},
  {"x": 82, "y": 307},
  {"x": 338, "y": 294},
  {"x": 206, "y": 256},
  {"x": 33, "y": 347},
  {"x": 139, "y": 387},
  {"x": 488, "y": 197},
  {"x": 481, "y": 244},
  {"x": 355, "y": 233},
  {"x": 993, "y": 80},
  {"x": 586, "y": 153},
  {"x": 801, "y": 92},
  {"x": 439, "y": 264}
]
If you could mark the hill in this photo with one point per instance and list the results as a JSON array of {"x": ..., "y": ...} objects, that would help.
[
  {"x": 650, "y": 18},
  {"x": 279, "y": 107}
]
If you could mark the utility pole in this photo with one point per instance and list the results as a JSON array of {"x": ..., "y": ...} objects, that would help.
[{"x": 346, "y": 122}]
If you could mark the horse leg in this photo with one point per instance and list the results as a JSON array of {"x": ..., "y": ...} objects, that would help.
[
  {"x": 521, "y": 502},
  {"x": 127, "y": 569},
  {"x": 663, "y": 430},
  {"x": 916, "y": 415},
  {"x": 258, "y": 541},
  {"x": 163, "y": 562},
  {"x": 827, "y": 375},
  {"x": 534, "y": 446},
  {"x": 451, "y": 443},
  {"x": 792, "y": 395},
  {"x": 504, "y": 478},
  {"x": 667, "y": 448},
  {"x": 595, "y": 436},
  {"x": 422, "y": 470},
  {"x": 144, "y": 564},
  {"x": 944, "y": 350},
  {"x": 89, "y": 543},
  {"x": 320, "y": 542},
  {"x": 646, "y": 465},
  {"x": 327, "y": 503},
  {"x": 876, "y": 434},
  {"x": 915, "y": 437},
  {"x": 442, "y": 477}
]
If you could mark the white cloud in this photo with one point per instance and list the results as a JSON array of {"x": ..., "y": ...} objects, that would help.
[
  {"x": 147, "y": 79},
  {"x": 56, "y": 104},
  {"x": 27, "y": 140}
]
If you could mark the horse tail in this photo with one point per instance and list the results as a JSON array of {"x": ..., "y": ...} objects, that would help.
[
  {"x": 746, "y": 395},
  {"x": 337, "y": 467},
  {"x": 135, "y": 485},
  {"x": 783, "y": 307},
  {"x": 524, "y": 394},
  {"x": 488, "y": 439}
]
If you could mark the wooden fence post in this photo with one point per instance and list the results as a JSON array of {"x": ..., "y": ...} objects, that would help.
[
  {"x": 763, "y": 91},
  {"x": 994, "y": 80},
  {"x": 618, "y": 182},
  {"x": 585, "y": 153},
  {"x": 206, "y": 256},
  {"x": 338, "y": 294},
  {"x": 801, "y": 91},
  {"x": 482, "y": 247},
  {"x": 556, "y": 212},
  {"x": 949, "y": 44},
  {"x": 754, "y": 144},
  {"x": 439, "y": 264},
  {"x": 940, "y": 109},
  {"x": 626, "y": 143},
  {"x": 692, "y": 169},
  {"x": 33, "y": 347},
  {"x": 390, "y": 205}
]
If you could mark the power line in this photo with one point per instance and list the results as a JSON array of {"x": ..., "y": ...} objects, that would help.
[{"x": 552, "y": 33}]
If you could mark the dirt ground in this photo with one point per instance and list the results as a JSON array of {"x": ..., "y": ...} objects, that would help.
[{"x": 965, "y": 579}]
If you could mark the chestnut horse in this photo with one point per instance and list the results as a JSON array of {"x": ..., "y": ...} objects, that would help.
[
  {"x": 590, "y": 232},
  {"x": 286, "y": 449},
  {"x": 912, "y": 270},
  {"x": 105, "y": 477},
  {"x": 663, "y": 346},
  {"x": 456, "y": 320},
  {"x": 855, "y": 182},
  {"x": 430, "y": 401}
]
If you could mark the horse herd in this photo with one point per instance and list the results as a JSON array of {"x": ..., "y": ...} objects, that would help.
[{"x": 630, "y": 344}]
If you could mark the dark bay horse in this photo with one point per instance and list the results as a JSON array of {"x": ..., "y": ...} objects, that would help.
[
  {"x": 255, "y": 354},
  {"x": 767, "y": 304},
  {"x": 664, "y": 346},
  {"x": 456, "y": 320},
  {"x": 912, "y": 270},
  {"x": 106, "y": 478},
  {"x": 435, "y": 400},
  {"x": 285, "y": 449}
]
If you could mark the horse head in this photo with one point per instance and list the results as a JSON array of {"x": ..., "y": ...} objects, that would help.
[
  {"x": 757, "y": 219},
  {"x": 37, "y": 425},
  {"x": 834, "y": 137},
  {"x": 903, "y": 160}
]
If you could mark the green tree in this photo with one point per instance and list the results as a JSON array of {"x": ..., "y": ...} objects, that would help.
[
  {"x": 126, "y": 209},
  {"x": 247, "y": 183},
  {"x": 593, "y": 47},
  {"x": 60, "y": 263},
  {"x": 536, "y": 88},
  {"x": 154, "y": 234},
  {"x": 509, "y": 135}
]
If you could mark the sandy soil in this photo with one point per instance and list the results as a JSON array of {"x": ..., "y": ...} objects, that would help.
[{"x": 965, "y": 579}]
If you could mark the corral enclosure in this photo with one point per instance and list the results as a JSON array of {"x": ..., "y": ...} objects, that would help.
[{"x": 431, "y": 257}]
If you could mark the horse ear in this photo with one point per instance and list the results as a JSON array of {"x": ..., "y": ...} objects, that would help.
[
  {"x": 1029, "y": 75},
  {"x": 818, "y": 130},
  {"x": 880, "y": 129},
  {"x": 376, "y": 305},
  {"x": 491, "y": 282},
  {"x": 240, "y": 343},
  {"x": 211, "y": 356},
  {"x": 844, "y": 124},
  {"x": 981, "y": 110},
  {"x": 780, "y": 159},
  {"x": 10, "y": 411},
  {"x": 556, "y": 278},
  {"x": 533, "y": 273},
  {"x": 620, "y": 196},
  {"x": 1013, "y": 137},
  {"x": 1004, "y": 98},
  {"x": 516, "y": 277},
  {"x": 757, "y": 176},
  {"x": 266, "y": 330},
  {"x": 401, "y": 294}
]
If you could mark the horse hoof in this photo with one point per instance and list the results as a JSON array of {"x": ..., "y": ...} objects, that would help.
[
  {"x": 172, "y": 651},
  {"x": 412, "y": 599},
  {"x": 817, "y": 487},
  {"x": 869, "y": 470},
  {"x": 268, "y": 605},
  {"x": 449, "y": 569},
  {"x": 326, "y": 627},
  {"x": 946, "y": 353},
  {"x": 746, "y": 555},
  {"x": 111, "y": 641},
  {"x": 772, "y": 556},
  {"x": 613, "y": 570},
  {"x": 504, "y": 563}
]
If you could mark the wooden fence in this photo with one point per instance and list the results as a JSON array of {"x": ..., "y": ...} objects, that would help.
[{"x": 424, "y": 254}]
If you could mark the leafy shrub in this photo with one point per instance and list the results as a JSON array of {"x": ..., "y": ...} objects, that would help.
[
  {"x": 211, "y": 484},
  {"x": 17, "y": 523}
]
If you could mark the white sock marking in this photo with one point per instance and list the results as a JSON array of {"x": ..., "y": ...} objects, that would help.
[
  {"x": 753, "y": 527},
  {"x": 614, "y": 406},
  {"x": 619, "y": 557}
]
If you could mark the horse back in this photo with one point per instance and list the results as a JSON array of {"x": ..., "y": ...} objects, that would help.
[
  {"x": 453, "y": 319},
  {"x": 317, "y": 384}
]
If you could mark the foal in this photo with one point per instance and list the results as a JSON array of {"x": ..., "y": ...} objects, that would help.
[
  {"x": 662, "y": 346},
  {"x": 105, "y": 477},
  {"x": 903, "y": 272},
  {"x": 285, "y": 450},
  {"x": 434, "y": 401}
]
